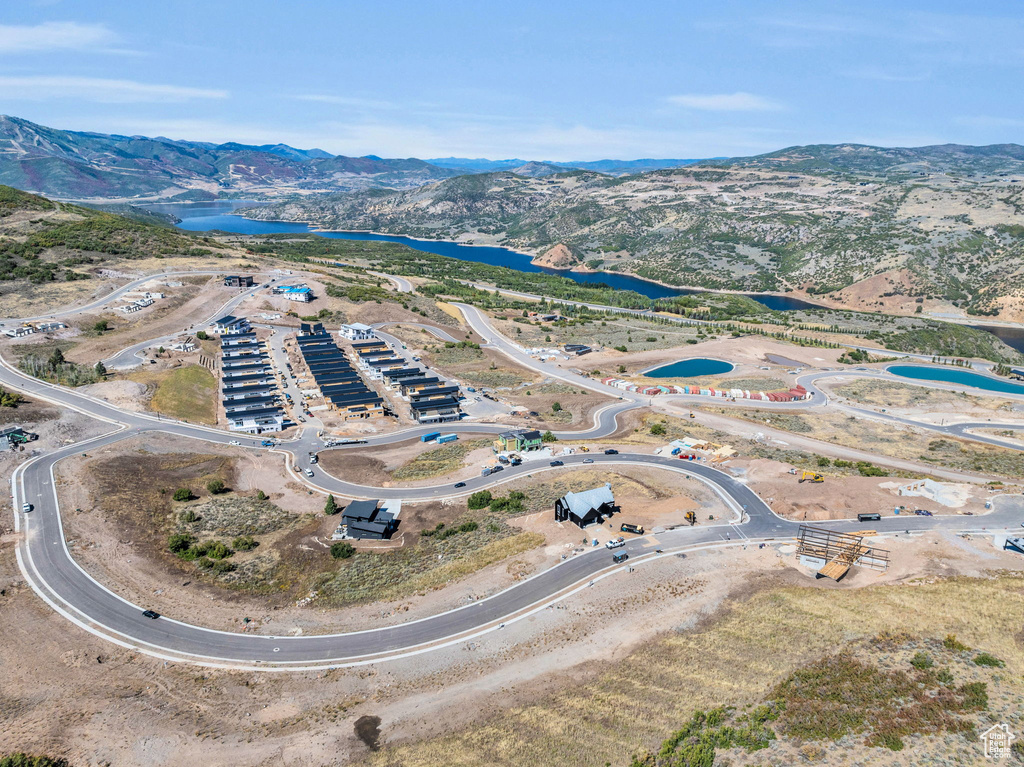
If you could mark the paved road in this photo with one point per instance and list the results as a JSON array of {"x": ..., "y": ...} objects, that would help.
[
  {"x": 115, "y": 294},
  {"x": 51, "y": 570},
  {"x": 129, "y": 356}
]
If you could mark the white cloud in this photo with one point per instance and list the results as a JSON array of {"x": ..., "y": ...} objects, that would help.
[
  {"x": 104, "y": 91},
  {"x": 725, "y": 102},
  {"x": 346, "y": 101},
  {"x": 56, "y": 36}
]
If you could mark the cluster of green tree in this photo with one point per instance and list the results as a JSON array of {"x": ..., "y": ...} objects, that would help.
[
  {"x": 56, "y": 369},
  {"x": 208, "y": 555},
  {"x": 9, "y": 398},
  {"x": 358, "y": 293},
  {"x": 513, "y": 503}
]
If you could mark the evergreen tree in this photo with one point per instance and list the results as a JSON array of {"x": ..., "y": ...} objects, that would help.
[{"x": 331, "y": 506}]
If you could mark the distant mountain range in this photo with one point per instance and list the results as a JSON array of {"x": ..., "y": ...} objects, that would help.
[
  {"x": 98, "y": 166},
  {"x": 612, "y": 167}
]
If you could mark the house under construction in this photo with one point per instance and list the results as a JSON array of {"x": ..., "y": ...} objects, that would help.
[{"x": 834, "y": 553}]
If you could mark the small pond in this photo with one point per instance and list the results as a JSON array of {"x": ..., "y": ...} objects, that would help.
[
  {"x": 955, "y": 376},
  {"x": 691, "y": 368}
]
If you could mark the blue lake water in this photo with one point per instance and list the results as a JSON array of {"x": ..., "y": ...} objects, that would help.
[
  {"x": 697, "y": 366},
  {"x": 217, "y": 215},
  {"x": 956, "y": 376}
]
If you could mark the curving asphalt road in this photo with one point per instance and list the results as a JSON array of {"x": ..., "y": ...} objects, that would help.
[{"x": 55, "y": 575}]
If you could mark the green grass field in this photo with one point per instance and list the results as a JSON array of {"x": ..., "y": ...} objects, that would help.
[{"x": 188, "y": 393}]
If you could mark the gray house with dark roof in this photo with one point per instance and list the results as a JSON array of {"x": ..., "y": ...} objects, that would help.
[{"x": 590, "y": 507}]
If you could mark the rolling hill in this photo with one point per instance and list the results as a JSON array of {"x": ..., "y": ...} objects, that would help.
[
  {"x": 888, "y": 229},
  {"x": 79, "y": 165}
]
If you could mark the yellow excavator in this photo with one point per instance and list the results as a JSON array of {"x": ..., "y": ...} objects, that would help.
[
  {"x": 691, "y": 518},
  {"x": 811, "y": 476}
]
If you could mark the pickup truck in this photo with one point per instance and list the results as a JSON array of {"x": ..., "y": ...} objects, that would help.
[{"x": 615, "y": 544}]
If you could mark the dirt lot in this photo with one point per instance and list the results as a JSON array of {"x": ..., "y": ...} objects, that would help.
[
  {"x": 844, "y": 497},
  {"x": 926, "y": 404},
  {"x": 711, "y": 629},
  {"x": 377, "y": 465},
  {"x": 749, "y": 354},
  {"x": 897, "y": 441}
]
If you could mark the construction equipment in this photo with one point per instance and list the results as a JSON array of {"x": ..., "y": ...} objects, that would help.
[
  {"x": 691, "y": 517},
  {"x": 692, "y": 415},
  {"x": 811, "y": 476},
  {"x": 584, "y": 449}
]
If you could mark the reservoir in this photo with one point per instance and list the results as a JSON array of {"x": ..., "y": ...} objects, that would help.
[
  {"x": 217, "y": 215},
  {"x": 697, "y": 366},
  {"x": 956, "y": 376}
]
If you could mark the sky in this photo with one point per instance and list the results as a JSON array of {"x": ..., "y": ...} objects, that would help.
[{"x": 547, "y": 80}]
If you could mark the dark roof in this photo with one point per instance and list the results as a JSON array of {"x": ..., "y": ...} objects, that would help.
[
  {"x": 435, "y": 404},
  {"x": 419, "y": 380},
  {"x": 227, "y": 319},
  {"x": 435, "y": 391},
  {"x": 244, "y": 392},
  {"x": 402, "y": 373},
  {"x": 368, "y": 344},
  {"x": 365, "y": 510},
  {"x": 330, "y": 376},
  {"x": 341, "y": 389},
  {"x": 232, "y": 373},
  {"x": 355, "y": 398},
  {"x": 254, "y": 413},
  {"x": 249, "y": 335},
  {"x": 249, "y": 377},
  {"x": 248, "y": 401},
  {"x": 243, "y": 363},
  {"x": 385, "y": 362}
]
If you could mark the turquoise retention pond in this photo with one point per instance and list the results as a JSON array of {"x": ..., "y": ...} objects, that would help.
[
  {"x": 698, "y": 366},
  {"x": 955, "y": 376}
]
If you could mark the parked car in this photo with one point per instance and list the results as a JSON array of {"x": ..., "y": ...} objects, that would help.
[
  {"x": 151, "y": 614},
  {"x": 26, "y": 507},
  {"x": 611, "y": 451},
  {"x": 615, "y": 544},
  {"x": 309, "y": 472},
  {"x": 460, "y": 484},
  {"x": 557, "y": 463},
  {"x": 234, "y": 442},
  {"x": 922, "y": 512},
  {"x": 588, "y": 460}
]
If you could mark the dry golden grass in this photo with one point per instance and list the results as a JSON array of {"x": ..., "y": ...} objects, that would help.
[
  {"x": 891, "y": 394},
  {"x": 440, "y": 577},
  {"x": 734, "y": 661}
]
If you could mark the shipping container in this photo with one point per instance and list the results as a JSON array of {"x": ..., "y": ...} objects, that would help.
[
  {"x": 447, "y": 438},
  {"x": 430, "y": 437}
]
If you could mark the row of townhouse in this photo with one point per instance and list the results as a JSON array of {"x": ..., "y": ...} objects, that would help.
[
  {"x": 48, "y": 326},
  {"x": 431, "y": 400},
  {"x": 344, "y": 390},
  {"x": 248, "y": 385}
]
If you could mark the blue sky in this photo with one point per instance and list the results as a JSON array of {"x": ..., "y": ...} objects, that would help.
[{"x": 539, "y": 80}]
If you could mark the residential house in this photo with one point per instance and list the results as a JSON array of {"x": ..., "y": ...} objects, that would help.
[
  {"x": 357, "y": 331},
  {"x": 590, "y": 507},
  {"x": 518, "y": 440}
]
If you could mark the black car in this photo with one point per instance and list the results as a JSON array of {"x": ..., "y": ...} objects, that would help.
[
  {"x": 557, "y": 463},
  {"x": 460, "y": 484},
  {"x": 152, "y": 614},
  {"x": 610, "y": 451}
]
